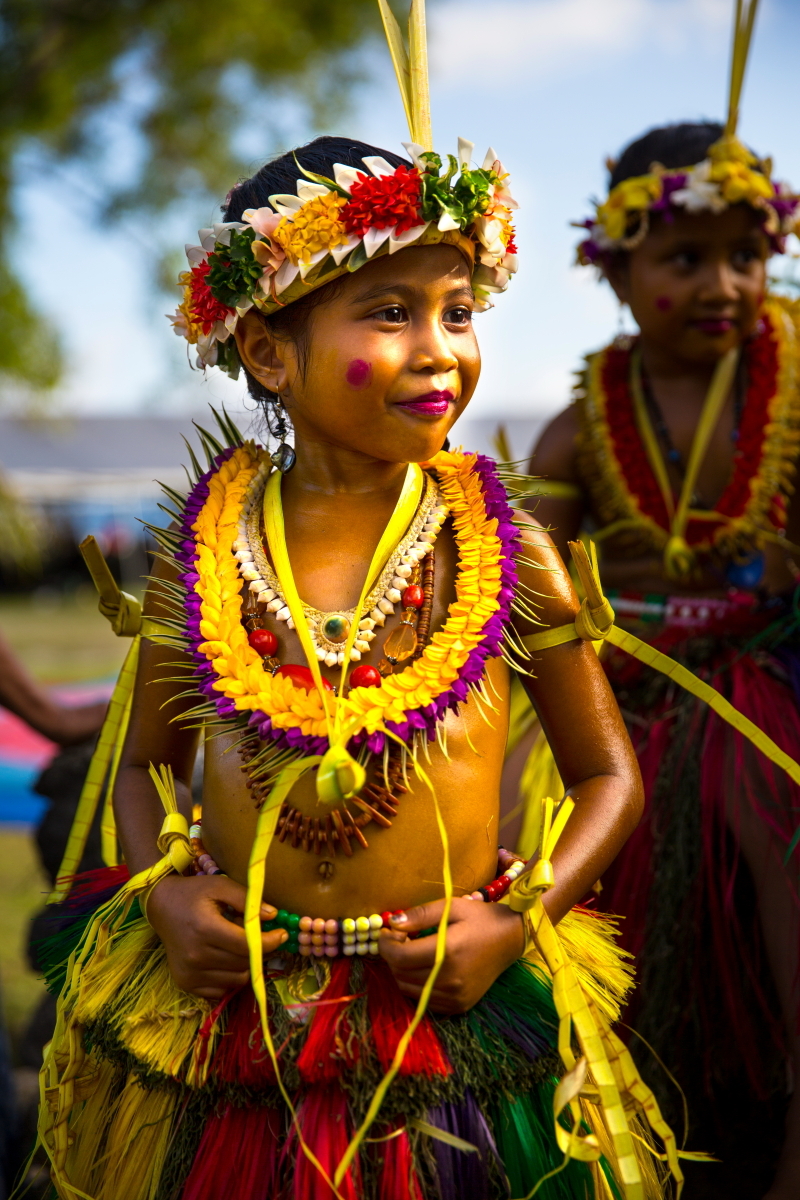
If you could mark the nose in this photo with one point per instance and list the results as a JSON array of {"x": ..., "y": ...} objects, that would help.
[
  {"x": 719, "y": 285},
  {"x": 433, "y": 353}
]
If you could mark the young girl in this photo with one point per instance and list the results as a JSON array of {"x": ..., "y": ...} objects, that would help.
[
  {"x": 679, "y": 454},
  {"x": 343, "y": 620}
]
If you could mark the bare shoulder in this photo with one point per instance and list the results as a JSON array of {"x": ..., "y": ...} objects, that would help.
[
  {"x": 553, "y": 456},
  {"x": 545, "y": 581}
]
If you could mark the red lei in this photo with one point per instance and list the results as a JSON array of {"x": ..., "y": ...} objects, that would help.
[{"x": 616, "y": 467}]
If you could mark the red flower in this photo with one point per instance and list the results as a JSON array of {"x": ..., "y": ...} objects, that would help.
[
  {"x": 511, "y": 248},
  {"x": 385, "y": 202},
  {"x": 204, "y": 307}
]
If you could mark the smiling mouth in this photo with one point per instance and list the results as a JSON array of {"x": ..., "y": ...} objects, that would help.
[
  {"x": 715, "y": 326},
  {"x": 434, "y": 404}
]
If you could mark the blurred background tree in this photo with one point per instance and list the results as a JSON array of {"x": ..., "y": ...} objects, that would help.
[{"x": 156, "y": 103}]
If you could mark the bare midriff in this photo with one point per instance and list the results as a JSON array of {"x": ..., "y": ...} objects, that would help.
[{"x": 403, "y": 865}]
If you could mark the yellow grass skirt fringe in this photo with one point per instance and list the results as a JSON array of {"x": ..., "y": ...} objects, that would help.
[{"x": 119, "y": 1125}]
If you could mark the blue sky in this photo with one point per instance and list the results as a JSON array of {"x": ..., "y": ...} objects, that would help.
[{"x": 554, "y": 85}]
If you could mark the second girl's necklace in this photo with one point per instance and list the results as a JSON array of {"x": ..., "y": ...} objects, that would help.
[{"x": 673, "y": 454}]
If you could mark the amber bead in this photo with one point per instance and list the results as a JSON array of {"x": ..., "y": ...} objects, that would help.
[{"x": 401, "y": 642}]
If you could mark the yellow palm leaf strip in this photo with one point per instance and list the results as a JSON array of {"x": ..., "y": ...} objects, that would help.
[
  {"x": 108, "y": 824},
  {"x": 276, "y": 539},
  {"x": 722, "y": 707},
  {"x": 574, "y": 1015},
  {"x": 648, "y": 436},
  {"x": 712, "y": 408},
  {"x": 422, "y": 1004},
  {"x": 595, "y": 621},
  {"x": 418, "y": 69},
  {"x": 111, "y": 735},
  {"x": 399, "y": 54},
  {"x": 404, "y": 510},
  {"x": 407, "y": 504},
  {"x": 742, "y": 34},
  {"x": 265, "y": 829}
]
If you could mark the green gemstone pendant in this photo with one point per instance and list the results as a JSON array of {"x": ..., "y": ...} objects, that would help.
[{"x": 335, "y": 628}]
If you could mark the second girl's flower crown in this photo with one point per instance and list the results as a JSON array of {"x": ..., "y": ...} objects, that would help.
[
  {"x": 276, "y": 255},
  {"x": 730, "y": 175}
]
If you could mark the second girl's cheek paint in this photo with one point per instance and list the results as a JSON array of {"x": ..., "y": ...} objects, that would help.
[
  {"x": 663, "y": 303},
  {"x": 359, "y": 373}
]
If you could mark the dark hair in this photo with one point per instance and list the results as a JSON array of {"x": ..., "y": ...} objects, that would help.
[
  {"x": 680, "y": 145},
  {"x": 281, "y": 175}
]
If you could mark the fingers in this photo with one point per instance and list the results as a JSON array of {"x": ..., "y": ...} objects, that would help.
[
  {"x": 225, "y": 890},
  {"x": 222, "y": 935},
  {"x": 403, "y": 954},
  {"x": 423, "y": 916}
]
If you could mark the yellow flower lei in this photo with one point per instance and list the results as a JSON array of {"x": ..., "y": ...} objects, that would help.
[
  {"x": 315, "y": 226},
  {"x": 241, "y": 677}
]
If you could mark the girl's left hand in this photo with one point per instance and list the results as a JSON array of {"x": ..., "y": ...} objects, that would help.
[{"x": 482, "y": 941}]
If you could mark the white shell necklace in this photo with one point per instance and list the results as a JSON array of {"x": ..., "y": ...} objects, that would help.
[{"x": 330, "y": 630}]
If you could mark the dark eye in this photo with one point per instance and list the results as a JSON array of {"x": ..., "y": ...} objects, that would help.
[
  {"x": 393, "y": 314},
  {"x": 745, "y": 258},
  {"x": 686, "y": 259},
  {"x": 460, "y": 315}
]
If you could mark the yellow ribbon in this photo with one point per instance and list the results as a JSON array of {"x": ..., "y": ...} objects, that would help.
[
  {"x": 124, "y": 612},
  {"x": 411, "y": 69},
  {"x": 679, "y": 558},
  {"x": 595, "y": 622},
  {"x": 339, "y": 775},
  {"x": 605, "y": 1074}
]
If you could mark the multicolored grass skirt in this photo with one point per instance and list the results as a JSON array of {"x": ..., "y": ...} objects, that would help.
[
  {"x": 705, "y": 999},
  {"x": 176, "y": 1100}
]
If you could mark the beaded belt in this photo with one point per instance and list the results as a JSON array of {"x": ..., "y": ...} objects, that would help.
[
  {"x": 680, "y": 612},
  {"x": 328, "y": 937}
]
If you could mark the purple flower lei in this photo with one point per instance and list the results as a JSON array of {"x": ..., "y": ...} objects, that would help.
[{"x": 424, "y": 719}]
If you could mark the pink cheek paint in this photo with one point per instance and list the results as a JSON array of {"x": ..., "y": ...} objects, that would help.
[
  {"x": 359, "y": 373},
  {"x": 663, "y": 303}
]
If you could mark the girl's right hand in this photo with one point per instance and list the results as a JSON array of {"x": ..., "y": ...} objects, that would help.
[{"x": 206, "y": 951}]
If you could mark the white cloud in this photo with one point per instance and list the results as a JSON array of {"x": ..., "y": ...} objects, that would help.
[{"x": 511, "y": 40}]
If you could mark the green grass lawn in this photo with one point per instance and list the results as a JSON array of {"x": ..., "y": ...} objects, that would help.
[
  {"x": 23, "y": 888},
  {"x": 60, "y": 640}
]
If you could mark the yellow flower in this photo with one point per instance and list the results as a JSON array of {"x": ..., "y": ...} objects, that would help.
[
  {"x": 316, "y": 226},
  {"x": 238, "y": 667},
  {"x": 629, "y": 197},
  {"x": 739, "y": 184}
]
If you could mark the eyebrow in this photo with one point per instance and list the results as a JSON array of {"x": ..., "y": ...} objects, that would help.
[{"x": 380, "y": 291}]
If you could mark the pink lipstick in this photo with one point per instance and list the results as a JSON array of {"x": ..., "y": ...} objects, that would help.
[
  {"x": 432, "y": 404},
  {"x": 715, "y": 326}
]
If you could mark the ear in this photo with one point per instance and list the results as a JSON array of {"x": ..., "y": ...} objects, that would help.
[
  {"x": 616, "y": 272},
  {"x": 264, "y": 355}
]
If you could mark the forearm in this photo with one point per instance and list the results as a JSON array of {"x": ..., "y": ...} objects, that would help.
[
  {"x": 607, "y": 810},
  {"x": 139, "y": 815}
]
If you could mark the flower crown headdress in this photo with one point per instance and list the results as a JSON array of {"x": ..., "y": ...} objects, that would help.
[
  {"x": 280, "y": 253},
  {"x": 730, "y": 174}
]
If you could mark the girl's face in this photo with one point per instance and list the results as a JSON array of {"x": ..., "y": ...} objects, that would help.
[
  {"x": 695, "y": 284},
  {"x": 391, "y": 359}
]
